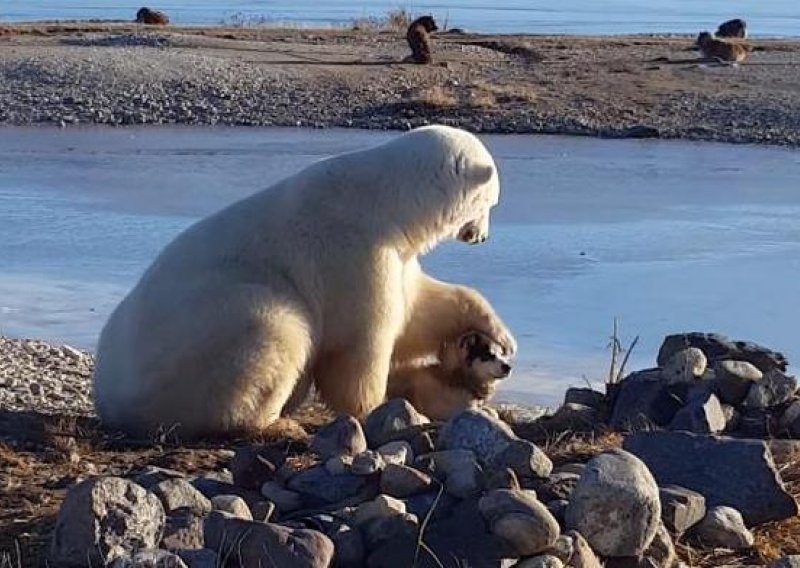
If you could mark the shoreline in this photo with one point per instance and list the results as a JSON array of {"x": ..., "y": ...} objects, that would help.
[{"x": 636, "y": 86}]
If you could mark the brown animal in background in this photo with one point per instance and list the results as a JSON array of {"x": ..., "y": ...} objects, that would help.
[
  {"x": 154, "y": 17},
  {"x": 464, "y": 377},
  {"x": 419, "y": 39},
  {"x": 722, "y": 51},
  {"x": 733, "y": 28}
]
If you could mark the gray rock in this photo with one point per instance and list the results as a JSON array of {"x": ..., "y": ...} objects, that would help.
[
  {"x": 502, "y": 479},
  {"x": 717, "y": 347},
  {"x": 772, "y": 390},
  {"x": 263, "y": 511},
  {"x": 573, "y": 417},
  {"x": 701, "y": 416},
  {"x": 253, "y": 466},
  {"x": 349, "y": 551},
  {"x": 685, "y": 366},
  {"x": 180, "y": 494},
  {"x": 152, "y": 475},
  {"x": 392, "y": 417},
  {"x": 266, "y": 544},
  {"x": 543, "y": 561},
  {"x": 494, "y": 444},
  {"x": 792, "y": 561},
  {"x": 183, "y": 529},
  {"x": 726, "y": 471},
  {"x": 398, "y": 452},
  {"x": 385, "y": 529},
  {"x": 402, "y": 481},
  {"x": 211, "y": 487},
  {"x": 582, "y": 554},
  {"x": 367, "y": 463},
  {"x": 284, "y": 499},
  {"x": 202, "y": 558},
  {"x": 789, "y": 423},
  {"x": 586, "y": 397},
  {"x": 681, "y": 508},
  {"x": 105, "y": 518},
  {"x": 615, "y": 505},
  {"x": 380, "y": 507},
  {"x": 150, "y": 558},
  {"x": 557, "y": 486},
  {"x": 339, "y": 465},
  {"x": 520, "y": 519},
  {"x": 457, "y": 469},
  {"x": 343, "y": 436},
  {"x": 576, "y": 468},
  {"x": 661, "y": 552},
  {"x": 558, "y": 509},
  {"x": 232, "y": 504},
  {"x": 734, "y": 379},
  {"x": 316, "y": 484},
  {"x": 644, "y": 400},
  {"x": 724, "y": 527},
  {"x": 421, "y": 443}
]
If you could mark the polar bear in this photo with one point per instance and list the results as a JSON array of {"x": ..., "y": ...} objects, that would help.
[{"x": 314, "y": 280}]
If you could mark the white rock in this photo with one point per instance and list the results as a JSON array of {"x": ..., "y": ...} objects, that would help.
[
  {"x": 398, "y": 452},
  {"x": 724, "y": 526}
]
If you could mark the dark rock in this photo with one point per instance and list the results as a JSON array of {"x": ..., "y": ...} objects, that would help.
[
  {"x": 557, "y": 486},
  {"x": 586, "y": 397},
  {"x": 718, "y": 347},
  {"x": 347, "y": 541},
  {"x": 438, "y": 505},
  {"x": 153, "y": 475},
  {"x": 573, "y": 417},
  {"x": 502, "y": 479},
  {"x": 402, "y": 481},
  {"x": 753, "y": 423},
  {"x": 253, "y": 466},
  {"x": 183, "y": 530},
  {"x": 734, "y": 380},
  {"x": 615, "y": 505},
  {"x": 211, "y": 487},
  {"x": 792, "y": 561},
  {"x": 104, "y": 518},
  {"x": 643, "y": 401},
  {"x": 640, "y": 131},
  {"x": 726, "y": 471},
  {"x": 700, "y": 415},
  {"x": 772, "y": 390},
  {"x": 542, "y": 561},
  {"x": 392, "y": 417},
  {"x": 266, "y": 544},
  {"x": 558, "y": 509},
  {"x": 202, "y": 558},
  {"x": 318, "y": 486},
  {"x": 457, "y": 469},
  {"x": 149, "y": 558},
  {"x": 520, "y": 519},
  {"x": 263, "y": 511},
  {"x": 681, "y": 508},
  {"x": 343, "y": 436},
  {"x": 789, "y": 422}
]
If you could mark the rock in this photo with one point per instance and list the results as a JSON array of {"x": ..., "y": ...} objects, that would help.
[
  {"x": 586, "y": 397},
  {"x": 421, "y": 443},
  {"x": 316, "y": 484},
  {"x": 203, "y": 558},
  {"x": 150, "y": 558},
  {"x": 263, "y": 511},
  {"x": 615, "y": 505},
  {"x": 557, "y": 486},
  {"x": 724, "y": 526},
  {"x": 183, "y": 529},
  {"x": 519, "y": 519},
  {"x": 681, "y": 508},
  {"x": 381, "y": 530},
  {"x": 152, "y": 475},
  {"x": 558, "y": 509},
  {"x": 726, "y": 471},
  {"x": 494, "y": 444},
  {"x": 348, "y": 546},
  {"x": 502, "y": 479},
  {"x": 576, "y": 468},
  {"x": 105, "y": 518},
  {"x": 717, "y": 347},
  {"x": 772, "y": 390},
  {"x": 701, "y": 416},
  {"x": 398, "y": 452},
  {"x": 367, "y": 463},
  {"x": 573, "y": 417},
  {"x": 253, "y": 466},
  {"x": 402, "y": 481},
  {"x": 284, "y": 499},
  {"x": 339, "y": 465},
  {"x": 434, "y": 504},
  {"x": 582, "y": 554},
  {"x": 734, "y": 379},
  {"x": 180, "y": 494},
  {"x": 789, "y": 423},
  {"x": 381, "y": 506},
  {"x": 661, "y": 552},
  {"x": 563, "y": 548},
  {"x": 792, "y": 561},
  {"x": 644, "y": 399},
  {"x": 385, "y": 422},
  {"x": 211, "y": 487},
  {"x": 266, "y": 544},
  {"x": 343, "y": 436},
  {"x": 232, "y": 504},
  {"x": 543, "y": 561},
  {"x": 685, "y": 366},
  {"x": 457, "y": 469}
]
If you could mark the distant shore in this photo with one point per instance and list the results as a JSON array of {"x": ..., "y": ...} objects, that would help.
[{"x": 85, "y": 73}]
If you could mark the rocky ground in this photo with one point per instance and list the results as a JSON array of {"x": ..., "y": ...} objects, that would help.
[
  {"x": 101, "y": 73},
  {"x": 696, "y": 461}
]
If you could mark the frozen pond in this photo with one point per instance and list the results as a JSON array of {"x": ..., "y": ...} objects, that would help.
[{"x": 665, "y": 236}]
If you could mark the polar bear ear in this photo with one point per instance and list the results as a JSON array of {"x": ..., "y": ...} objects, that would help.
[{"x": 479, "y": 174}]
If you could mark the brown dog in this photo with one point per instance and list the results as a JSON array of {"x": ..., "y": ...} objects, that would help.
[
  {"x": 419, "y": 39},
  {"x": 465, "y": 376},
  {"x": 152, "y": 17},
  {"x": 722, "y": 51}
]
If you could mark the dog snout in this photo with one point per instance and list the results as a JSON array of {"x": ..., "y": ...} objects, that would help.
[{"x": 505, "y": 369}]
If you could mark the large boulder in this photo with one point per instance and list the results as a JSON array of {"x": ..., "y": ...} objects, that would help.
[
  {"x": 702, "y": 415},
  {"x": 494, "y": 444},
  {"x": 264, "y": 544},
  {"x": 643, "y": 400},
  {"x": 717, "y": 347},
  {"x": 772, "y": 390},
  {"x": 390, "y": 419},
  {"x": 105, "y": 518},
  {"x": 615, "y": 505},
  {"x": 726, "y": 471}
]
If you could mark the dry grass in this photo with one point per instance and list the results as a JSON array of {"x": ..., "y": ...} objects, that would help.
[
  {"x": 396, "y": 20},
  {"x": 435, "y": 96}
]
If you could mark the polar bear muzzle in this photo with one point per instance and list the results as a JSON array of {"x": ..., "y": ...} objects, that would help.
[{"x": 473, "y": 233}]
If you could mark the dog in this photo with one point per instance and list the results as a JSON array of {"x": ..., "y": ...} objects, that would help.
[
  {"x": 721, "y": 51},
  {"x": 419, "y": 39},
  {"x": 153, "y": 17},
  {"x": 733, "y": 29},
  {"x": 465, "y": 376}
]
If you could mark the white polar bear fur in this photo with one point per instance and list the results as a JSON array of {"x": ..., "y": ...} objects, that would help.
[{"x": 314, "y": 279}]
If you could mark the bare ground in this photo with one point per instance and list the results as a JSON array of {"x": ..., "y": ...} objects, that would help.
[{"x": 637, "y": 86}]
